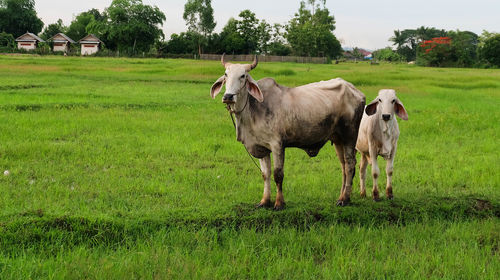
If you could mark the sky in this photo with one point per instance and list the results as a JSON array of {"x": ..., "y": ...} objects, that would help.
[{"x": 359, "y": 23}]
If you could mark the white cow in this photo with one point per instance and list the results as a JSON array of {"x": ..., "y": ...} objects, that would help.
[{"x": 378, "y": 136}]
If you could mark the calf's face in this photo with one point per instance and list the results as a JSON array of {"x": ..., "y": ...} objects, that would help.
[{"x": 387, "y": 104}]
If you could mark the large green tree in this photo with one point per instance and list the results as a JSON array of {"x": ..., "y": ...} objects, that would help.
[
  {"x": 457, "y": 49},
  {"x": 490, "y": 49},
  {"x": 78, "y": 27},
  {"x": 408, "y": 40},
  {"x": 245, "y": 35},
  {"x": 52, "y": 29},
  {"x": 231, "y": 39},
  {"x": 183, "y": 43},
  {"x": 463, "y": 47},
  {"x": 19, "y": 16},
  {"x": 250, "y": 30},
  {"x": 199, "y": 16},
  {"x": 278, "y": 44},
  {"x": 131, "y": 25},
  {"x": 310, "y": 31}
]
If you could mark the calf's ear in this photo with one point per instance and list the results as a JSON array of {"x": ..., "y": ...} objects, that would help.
[
  {"x": 372, "y": 107},
  {"x": 400, "y": 110},
  {"x": 217, "y": 86},
  {"x": 254, "y": 89}
]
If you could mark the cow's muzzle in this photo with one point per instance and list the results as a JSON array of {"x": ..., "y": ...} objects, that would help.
[
  {"x": 386, "y": 117},
  {"x": 228, "y": 98}
]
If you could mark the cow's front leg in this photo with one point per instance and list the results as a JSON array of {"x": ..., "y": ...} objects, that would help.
[
  {"x": 265, "y": 167},
  {"x": 279, "y": 161}
]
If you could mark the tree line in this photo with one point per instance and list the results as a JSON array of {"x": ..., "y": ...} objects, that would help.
[
  {"x": 429, "y": 46},
  {"x": 308, "y": 33},
  {"x": 132, "y": 27}
]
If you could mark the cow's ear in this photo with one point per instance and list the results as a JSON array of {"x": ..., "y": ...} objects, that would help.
[
  {"x": 217, "y": 86},
  {"x": 400, "y": 110},
  {"x": 254, "y": 89},
  {"x": 372, "y": 107}
]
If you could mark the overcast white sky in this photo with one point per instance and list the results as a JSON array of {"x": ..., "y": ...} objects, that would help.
[{"x": 363, "y": 23}]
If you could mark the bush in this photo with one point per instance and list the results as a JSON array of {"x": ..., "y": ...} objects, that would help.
[
  {"x": 277, "y": 48},
  {"x": 43, "y": 49},
  {"x": 7, "y": 42},
  {"x": 387, "y": 54}
]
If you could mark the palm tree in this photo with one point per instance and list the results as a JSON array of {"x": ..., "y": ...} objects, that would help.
[
  {"x": 423, "y": 33},
  {"x": 399, "y": 39}
]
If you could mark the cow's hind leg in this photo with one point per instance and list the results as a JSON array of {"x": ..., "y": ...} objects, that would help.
[
  {"x": 279, "y": 162},
  {"x": 265, "y": 167},
  {"x": 362, "y": 174},
  {"x": 350, "y": 169},
  {"x": 339, "y": 148}
]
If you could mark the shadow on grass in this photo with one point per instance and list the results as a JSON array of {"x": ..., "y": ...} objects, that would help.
[{"x": 36, "y": 231}]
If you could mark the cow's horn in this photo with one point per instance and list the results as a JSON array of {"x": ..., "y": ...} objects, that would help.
[
  {"x": 222, "y": 60},
  {"x": 254, "y": 63}
]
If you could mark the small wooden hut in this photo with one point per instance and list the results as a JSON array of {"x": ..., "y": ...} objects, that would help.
[
  {"x": 28, "y": 41},
  {"x": 90, "y": 44},
  {"x": 61, "y": 42}
]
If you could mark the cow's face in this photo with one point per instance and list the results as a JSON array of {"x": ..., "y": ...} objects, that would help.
[
  {"x": 236, "y": 76},
  {"x": 238, "y": 84},
  {"x": 388, "y": 104}
]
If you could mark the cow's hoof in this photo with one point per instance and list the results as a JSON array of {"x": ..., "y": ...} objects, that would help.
[
  {"x": 362, "y": 194},
  {"x": 263, "y": 204},
  {"x": 377, "y": 199},
  {"x": 390, "y": 197},
  {"x": 342, "y": 203},
  {"x": 279, "y": 207}
]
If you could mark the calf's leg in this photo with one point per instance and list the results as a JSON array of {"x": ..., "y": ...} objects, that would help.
[
  {"x": 265, "y": 167},
  {"x": 388, "y": 170},
  {"x": 362, "y": 174},
  {"x": 375, "y": 173}
]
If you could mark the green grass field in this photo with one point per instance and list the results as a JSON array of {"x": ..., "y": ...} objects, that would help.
[{"x": 126, "y": 168}]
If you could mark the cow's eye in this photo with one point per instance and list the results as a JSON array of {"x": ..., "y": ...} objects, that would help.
[
  {"x": 380, "y": 100},
  {"x": 225, "y": 74},
  {"x": 242, "y": 76},
  {"x": 394, "y": 100}
]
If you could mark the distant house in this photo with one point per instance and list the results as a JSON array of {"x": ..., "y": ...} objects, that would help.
[
  {"x": 357, "y": 53},
  {"x": 61, "y": 42},
  {"x": 366, "y": 54},
  {"x": 28, "y": 41},
  {"x": 90, "y": 44}
]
